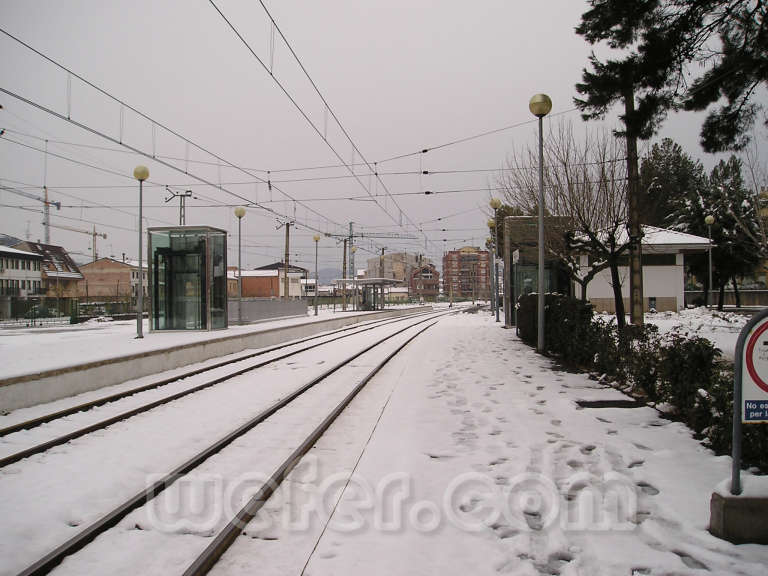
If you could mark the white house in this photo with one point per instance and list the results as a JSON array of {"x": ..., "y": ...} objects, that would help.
[{"x": 663, "y": 272}]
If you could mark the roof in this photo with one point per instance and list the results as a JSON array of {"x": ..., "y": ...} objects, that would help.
[
  {"x": 280, "y": 266},
  {"x": 57, "y": 263},
  {"x": 653, "y": 236},
  {"x": 661, "y": 240},
  {"x": 17, "y": 252},
  {"x": 110, "y": 259}
]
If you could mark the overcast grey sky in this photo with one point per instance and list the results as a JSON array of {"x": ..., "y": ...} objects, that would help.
[{"x": 401, "y": 76}]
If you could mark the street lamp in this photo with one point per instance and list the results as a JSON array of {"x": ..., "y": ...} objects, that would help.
[
  {"x": 316, "y": 238},
  {"x": 141, "y": 173},
  {"x": 239, "y": 212},
  {"x": 709, "y": 220},
  {"x": 540, "y": 105},
  {"x": 495, "y": 204}
]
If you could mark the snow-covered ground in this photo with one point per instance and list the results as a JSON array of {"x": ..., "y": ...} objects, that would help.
[
  {"x": 721, "y": 328},
  {"x": 30, "y": 350},
  {"x": 467, "y": 455}
]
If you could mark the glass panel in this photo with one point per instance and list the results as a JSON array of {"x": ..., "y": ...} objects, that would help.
[{"x": 218, "y": 251}]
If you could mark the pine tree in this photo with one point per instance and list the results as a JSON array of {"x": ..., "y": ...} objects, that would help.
[{"x": 668, "y": 177}]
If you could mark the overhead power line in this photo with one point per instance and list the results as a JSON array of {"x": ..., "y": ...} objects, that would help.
[
  {"x": 67, "y": 118},
  {"x": 307, "y": 118}
]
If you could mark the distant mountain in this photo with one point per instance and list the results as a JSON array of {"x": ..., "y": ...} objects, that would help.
[{"x": 326, "y": 275}]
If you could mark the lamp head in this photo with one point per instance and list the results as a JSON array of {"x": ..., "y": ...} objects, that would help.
[
  {"x": 495, "y": 203},
  {"x": 239, "y": 211},
  {"x": 540, "y": 105},
  {"x": 491, "y": 224},
  {"x": 709, "y": 220},
  {"x": 316, "y": 237},
  {"x": 141, "y": 173}
]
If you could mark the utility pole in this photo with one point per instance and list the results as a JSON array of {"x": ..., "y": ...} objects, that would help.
[
  {"x": 182, "y": 196},
  {"x": 352, "y": 271},
  {"x": 344, "y": 278},
  {"x": 287, "y": 242}
]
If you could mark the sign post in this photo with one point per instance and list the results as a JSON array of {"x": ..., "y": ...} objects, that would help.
[{"x": 750, "y": 387}]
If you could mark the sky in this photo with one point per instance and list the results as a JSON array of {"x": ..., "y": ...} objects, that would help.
[{"x": 216, "y": 101}]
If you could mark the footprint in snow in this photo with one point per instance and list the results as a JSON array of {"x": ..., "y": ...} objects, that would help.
[
  {"x": 690, "y": 561},
  {"x": 648, "y": 489},
  {"x": 636, "y": 463},
  {"x": 587, "y": 449}
]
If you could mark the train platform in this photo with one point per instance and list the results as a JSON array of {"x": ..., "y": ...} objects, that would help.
[{"x": 46, "y": 364}]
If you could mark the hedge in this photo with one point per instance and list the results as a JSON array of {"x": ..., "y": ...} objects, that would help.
[{"x": 686, "y": 376}]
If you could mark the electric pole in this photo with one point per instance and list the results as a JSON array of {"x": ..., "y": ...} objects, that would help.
[
  {"x": 182, "y": 196},
  {"x": 287, "y": 242},
  {"x": 344, "y": 277}
]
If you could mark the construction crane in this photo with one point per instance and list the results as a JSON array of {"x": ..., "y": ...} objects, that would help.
[
  {"x": 92, "y": 233},
  {"x": 46, "y": 206}
]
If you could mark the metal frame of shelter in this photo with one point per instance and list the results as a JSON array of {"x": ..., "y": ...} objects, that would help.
[{"x": 366, "y": 293}]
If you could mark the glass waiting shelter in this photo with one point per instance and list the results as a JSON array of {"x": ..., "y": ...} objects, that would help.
[{"x": 187, "y": 278}]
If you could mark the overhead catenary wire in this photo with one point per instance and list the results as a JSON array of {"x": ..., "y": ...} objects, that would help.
[
  {"x": 296, "y": 104},
  {"x": 154, "y": 123}
]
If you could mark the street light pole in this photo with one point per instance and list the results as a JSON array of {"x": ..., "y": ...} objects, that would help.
[
  {"x": 540, "y": 105},
  {"x": 495, "y": 204},
  {"x": 239, "y": 212},
  {"x": 709, "y": 220},
  {"x": 141, "y": 173},
  {"x": 316, "y": 238}
]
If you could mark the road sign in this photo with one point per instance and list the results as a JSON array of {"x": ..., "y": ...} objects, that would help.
[
  {"x": 754, "y": 374},
  {"x": 750, "y": 385}
]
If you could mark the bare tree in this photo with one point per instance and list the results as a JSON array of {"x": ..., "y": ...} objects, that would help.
[{"x": 585, "y": 184}]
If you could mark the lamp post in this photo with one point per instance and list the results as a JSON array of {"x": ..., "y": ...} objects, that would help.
[
  {"x": 540, "y": 105},
  {"x": 141, "y": 173},
  {"x": 316, "y": 238},
  {"x": 709, "y": 220},
  {"x": 495, "y": 204},
  {"x": 239, "y": 212}
]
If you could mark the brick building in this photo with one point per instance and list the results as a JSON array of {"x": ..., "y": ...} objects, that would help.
[
  {"x": 108, "y": 279},
  {"x": 425, "y": 282},
  {"x": 466, "y": 273}
]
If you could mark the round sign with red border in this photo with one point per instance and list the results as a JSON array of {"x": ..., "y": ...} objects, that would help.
[{"x": 750, "y": 359}]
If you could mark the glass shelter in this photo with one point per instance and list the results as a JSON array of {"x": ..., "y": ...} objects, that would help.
[{"x": 187, "y": 278}]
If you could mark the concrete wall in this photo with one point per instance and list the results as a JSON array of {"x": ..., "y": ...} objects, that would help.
[
  {"x": 258, "y": 309},
  {"x": 664, "y": 283},
  {"x": 32, "y": 389}
]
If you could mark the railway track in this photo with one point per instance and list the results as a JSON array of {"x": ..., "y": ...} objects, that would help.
[
  {"x": 100, "y": 425},
  {"x": 203, "y": 563},
  {"x": 82, "y": 407}
]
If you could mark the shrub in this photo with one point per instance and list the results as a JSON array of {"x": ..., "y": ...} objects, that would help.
[
  {"x": 686, "y": 373},
  {"x": 686, "y": 365}
]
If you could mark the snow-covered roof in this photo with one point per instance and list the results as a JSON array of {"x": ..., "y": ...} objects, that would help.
[
  {"x": 135, "y": 263},
  {"x": 661, "y": 240},
  {"x": 67, "y": 275},
  {"x": 16, "y": 252},
  {"x": 260, "y": 273}
]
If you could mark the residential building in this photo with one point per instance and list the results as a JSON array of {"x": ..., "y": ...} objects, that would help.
[
  {"x": 60, "y": 275},
  {"x": 466, "y": 273},
  {"x": 396, "y": 265},
  {"x": 425, "y": 282},
  {"x": 109, "y": 279},
  {"x": 20, "y": 273}
]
